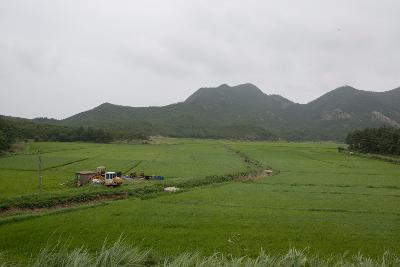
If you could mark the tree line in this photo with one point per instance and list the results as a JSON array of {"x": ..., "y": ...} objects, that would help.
[
  {"x": 6, "y": 135},
  {"x": 382, "y": 140},
  {"x": 14, "y": 130}
]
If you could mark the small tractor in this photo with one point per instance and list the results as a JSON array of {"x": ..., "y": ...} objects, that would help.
[{"x": 107, "y": 178}]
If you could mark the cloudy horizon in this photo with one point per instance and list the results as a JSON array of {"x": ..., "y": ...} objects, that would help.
[{"x": 59, "y": 58}]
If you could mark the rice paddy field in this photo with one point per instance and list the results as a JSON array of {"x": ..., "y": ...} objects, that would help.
[{"x": 331, "y": 202}]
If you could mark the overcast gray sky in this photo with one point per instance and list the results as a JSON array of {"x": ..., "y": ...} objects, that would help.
[{"x": 58, "y": 58}]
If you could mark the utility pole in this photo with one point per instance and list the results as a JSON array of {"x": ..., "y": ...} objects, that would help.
[{"x": 40, "y": 171}]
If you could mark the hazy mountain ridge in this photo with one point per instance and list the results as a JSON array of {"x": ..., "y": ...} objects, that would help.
[{"x": 244, "y": 111}]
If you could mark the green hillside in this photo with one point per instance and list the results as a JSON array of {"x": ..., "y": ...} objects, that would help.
[{"x": 245, "y": 112}]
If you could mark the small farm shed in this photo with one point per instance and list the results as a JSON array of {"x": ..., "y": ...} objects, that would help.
[{"x": 83, "y": 177}]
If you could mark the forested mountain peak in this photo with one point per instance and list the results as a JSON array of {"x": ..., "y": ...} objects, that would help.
[
  {"x": 242, "y": 92},
  {"x": 244, "y": 111}
]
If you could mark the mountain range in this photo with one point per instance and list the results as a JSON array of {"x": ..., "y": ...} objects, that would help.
[{"x": 245, "y": 112}]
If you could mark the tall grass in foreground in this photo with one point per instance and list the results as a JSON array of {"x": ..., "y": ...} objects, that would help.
[{"x": 122, "y": 254}]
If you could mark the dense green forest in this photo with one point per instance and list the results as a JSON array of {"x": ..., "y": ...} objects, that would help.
[
  {"x": 382, "y": 140},
  {"x": 12, "y": 130},
  {"x": 6, "y": 135}
]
